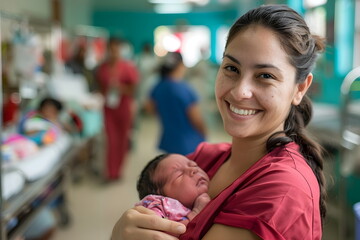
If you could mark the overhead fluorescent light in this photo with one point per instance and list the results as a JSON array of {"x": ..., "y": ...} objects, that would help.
[
  {"x": 314, "y": 3},
  {"x": 167, "y": 1},
  {"x": 198, "y": 2},
  {"x": 172, "y": 8},
  {"x": 171, "y": 43}
]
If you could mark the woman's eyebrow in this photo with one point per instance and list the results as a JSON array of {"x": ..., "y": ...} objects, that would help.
[
  {"x": 257, "y": 66},
  {"x": 267, "y": 65},
  {"x": 232, "y": 58}
]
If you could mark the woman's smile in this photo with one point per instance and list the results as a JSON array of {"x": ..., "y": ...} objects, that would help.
[{"x": 242, "y": 112}]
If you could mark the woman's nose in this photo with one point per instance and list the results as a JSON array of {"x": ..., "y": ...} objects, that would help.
[{"x": 242, "y": 89}]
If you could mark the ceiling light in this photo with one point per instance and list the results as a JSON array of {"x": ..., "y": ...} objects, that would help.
[
  {"x": 314, "y": 3},
  {"x": 171, "y": 43},
  {"x": 167, "y": 1},
  {"x": 172, "y": 8},
  {"x": 198, "y": 2}
]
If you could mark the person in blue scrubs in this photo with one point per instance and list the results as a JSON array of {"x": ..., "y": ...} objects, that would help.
[{"x": 176, "y": 104}]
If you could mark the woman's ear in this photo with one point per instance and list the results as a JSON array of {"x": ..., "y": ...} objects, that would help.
[{"x": 302, "y": 89}]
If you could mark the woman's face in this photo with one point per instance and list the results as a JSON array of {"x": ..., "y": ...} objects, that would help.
[
  {"x": 255, "y": 84},
  {"x": 184, "y": 179},
  {"x": 114, "y": 50}
]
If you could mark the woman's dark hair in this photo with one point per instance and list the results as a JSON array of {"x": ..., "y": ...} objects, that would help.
[
  {"x": 302, "y": 49},
  {"x": 170, "y": 62},
  {"x": 114, "y": 40},
  {"x": 50, "y": 101},
  {"x": 146, "y": 184}
]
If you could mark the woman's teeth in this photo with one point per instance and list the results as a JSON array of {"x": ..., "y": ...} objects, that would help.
[{"x": 243, "y": 112}]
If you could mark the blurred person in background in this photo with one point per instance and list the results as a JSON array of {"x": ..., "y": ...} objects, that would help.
[
  {"x": 176, "y": 104},
  {"x": 10, "y": 106},
  {"x": 201, "y": 77},
  {"x": 148, "y": 64},
  {"x": 43, "y": 125},
  {"x": 117, "y": 79},
  {"x": 77, "y": 65}
]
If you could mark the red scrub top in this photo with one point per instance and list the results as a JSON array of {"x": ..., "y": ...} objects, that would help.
[
  {"x": 118, "y": 118},
  {"x": 276, "y": 198}
]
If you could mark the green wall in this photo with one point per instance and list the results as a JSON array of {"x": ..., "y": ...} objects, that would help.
[
  {"x": 337, "y": 60},
  {"x": 334, "y": 64},
  {"x": 138, "y": 27}
]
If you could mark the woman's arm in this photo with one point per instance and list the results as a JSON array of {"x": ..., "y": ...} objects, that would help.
[
  {"x": 223, "y": 232},
  {"x": 149, "y": 106},
  {"x": 140, "y": 223},
  {"x": 196, "y": 118},
  {"x": 128, "y": 89}
]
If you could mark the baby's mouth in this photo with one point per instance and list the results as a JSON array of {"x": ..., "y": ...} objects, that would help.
[{"x": 202, "y": 181}]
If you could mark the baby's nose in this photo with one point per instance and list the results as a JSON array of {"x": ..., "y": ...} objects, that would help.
[{"x": 193, "y": 171}]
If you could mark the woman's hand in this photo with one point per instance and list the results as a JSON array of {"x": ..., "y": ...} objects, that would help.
[{"x": 140, "y": 223}]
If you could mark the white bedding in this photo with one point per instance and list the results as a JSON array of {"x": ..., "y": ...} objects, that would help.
[
  {"x": 37, "y": 166},
  {"x": 12, "y": 183}
]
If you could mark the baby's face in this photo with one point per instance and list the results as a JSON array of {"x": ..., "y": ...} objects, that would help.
[
  {"x": 50, "y": 112},
  {"x": 184, "y": 179}
]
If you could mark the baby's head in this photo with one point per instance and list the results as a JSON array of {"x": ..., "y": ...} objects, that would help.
[
  {"x": 175, "y": 176},
  {"x": 50, "y": 108}
]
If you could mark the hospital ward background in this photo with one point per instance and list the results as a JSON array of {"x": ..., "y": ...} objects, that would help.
[{"x": 53, "y": 181}]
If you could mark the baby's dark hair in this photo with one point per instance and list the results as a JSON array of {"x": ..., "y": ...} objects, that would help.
[
  {"x": 146, "y": 184},
  {"x": 50, "y": 101}
]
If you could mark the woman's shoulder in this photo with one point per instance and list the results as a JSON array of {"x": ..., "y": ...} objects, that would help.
[
  {"x": 279, "y": 193},
  {"x": 103, "y": 64},
  {"x": 206, "y": 148},
  {"x": 125, "y": 62},
  {"x": 287, "y": 156},
  {"x": 289, "y": 159},
  {"x": 210, "y": 156},
  {"x": 286, "y": 168}
]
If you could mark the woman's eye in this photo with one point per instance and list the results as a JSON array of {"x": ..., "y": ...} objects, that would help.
[
  {"x": 266, "y": 76},
  {"x": 232, "y": 69}
]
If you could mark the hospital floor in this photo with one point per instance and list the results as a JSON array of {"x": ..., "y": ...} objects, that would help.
[{"x": 95, "y": 206}]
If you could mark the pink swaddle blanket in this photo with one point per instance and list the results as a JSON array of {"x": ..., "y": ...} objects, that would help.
[{"x": 165, "y": 207}]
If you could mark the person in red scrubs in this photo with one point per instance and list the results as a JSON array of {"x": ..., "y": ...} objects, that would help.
[
  {"x": 268, "y": 183},
  {"x": 118, "y": 80}
]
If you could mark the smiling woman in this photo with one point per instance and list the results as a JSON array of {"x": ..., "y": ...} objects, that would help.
[
  {"x": 268, "y": 183},
  {"x": 251, "y": 80}
]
